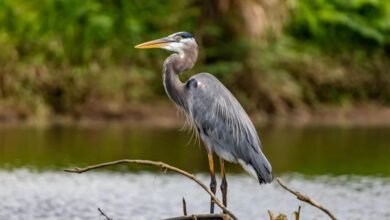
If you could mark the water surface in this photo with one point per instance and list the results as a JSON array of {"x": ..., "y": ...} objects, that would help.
[
  {"x": 51, "y": 195},
  {"x": 310, "y": 150},
  {"x": 347, "y": 169}
]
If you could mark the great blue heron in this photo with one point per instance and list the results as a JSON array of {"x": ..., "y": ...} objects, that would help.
[{"x": 218, "y": 117}]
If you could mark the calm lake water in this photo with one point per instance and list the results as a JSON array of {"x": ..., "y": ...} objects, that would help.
[{"x": 347, "y": 169}]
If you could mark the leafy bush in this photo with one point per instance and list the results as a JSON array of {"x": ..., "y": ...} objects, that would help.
[{"x": 345, "y": 24}]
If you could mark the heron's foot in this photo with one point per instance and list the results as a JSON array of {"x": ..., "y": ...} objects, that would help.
[
  {"x": 213, "y": 188},
  {"x": 224, "y": 192},
  {"x": 223, "y": 183}
]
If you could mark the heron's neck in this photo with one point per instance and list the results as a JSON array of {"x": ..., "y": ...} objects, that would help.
[{"x": 174, "y": 65}]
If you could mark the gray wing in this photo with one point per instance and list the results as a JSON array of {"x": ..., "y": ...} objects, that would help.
[{"x": 224, "y": 126}]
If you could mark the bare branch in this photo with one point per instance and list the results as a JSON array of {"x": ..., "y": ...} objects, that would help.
[
  {"x": 306, "y": 199},
  {"x": 158, "y": 164},
  {"x": 104, "y": 214}
]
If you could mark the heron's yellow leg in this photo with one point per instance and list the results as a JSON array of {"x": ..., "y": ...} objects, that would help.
[
  {"x": 213, "y": 181},
  {"x": 224, "y": 182}
]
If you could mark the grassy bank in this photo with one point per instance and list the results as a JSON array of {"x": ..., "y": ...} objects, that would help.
[{"x": 69, "y": 57}]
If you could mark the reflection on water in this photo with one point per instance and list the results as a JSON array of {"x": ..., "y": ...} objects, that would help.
[
  {"x": 310, "y": 150},
  {"x": 52, "y": 195}
]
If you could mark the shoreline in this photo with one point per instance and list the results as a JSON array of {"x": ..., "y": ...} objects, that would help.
[{"x": 165, "y": 115}]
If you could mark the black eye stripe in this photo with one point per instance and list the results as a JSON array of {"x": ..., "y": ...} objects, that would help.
[{"x": 184, "y": 35}]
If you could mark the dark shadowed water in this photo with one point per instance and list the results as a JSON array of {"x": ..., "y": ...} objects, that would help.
[{"x": 347, "y": 169}]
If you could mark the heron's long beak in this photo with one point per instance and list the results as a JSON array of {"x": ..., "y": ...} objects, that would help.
[{"x": 159, "y": 43}]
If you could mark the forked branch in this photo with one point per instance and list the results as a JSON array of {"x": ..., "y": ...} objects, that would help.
[{"x": 161, "y": 165}]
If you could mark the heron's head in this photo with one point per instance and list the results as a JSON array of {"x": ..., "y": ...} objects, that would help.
[{"x": 178, "y": 42}]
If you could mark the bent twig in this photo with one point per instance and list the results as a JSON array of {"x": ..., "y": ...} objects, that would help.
[
  {"x": 104, "y": 214},
  {"x": 184, "y": 207},
  {"x": 306, "y": 199}
]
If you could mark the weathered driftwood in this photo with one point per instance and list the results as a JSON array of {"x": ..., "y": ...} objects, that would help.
[
  {"x": 202, "y": 217},
  {"x": 199, "y": 216}
]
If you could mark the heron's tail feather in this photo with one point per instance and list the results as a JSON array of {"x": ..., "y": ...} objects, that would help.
[
  {"x": 259, "y": 167},
  {"x": 263, "y": 168}
]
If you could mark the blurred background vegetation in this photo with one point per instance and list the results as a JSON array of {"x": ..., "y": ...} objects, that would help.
[{"x": 71, "y": 57}]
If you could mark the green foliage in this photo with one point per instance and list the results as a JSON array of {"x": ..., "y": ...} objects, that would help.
[
  {"x": 70, "y": 51},
  {"x": 76, "y": 32},
  {"x": 345, "y": 24},
  {"x": 64, "y": 54},
  {"x": 340, "y": 50}
]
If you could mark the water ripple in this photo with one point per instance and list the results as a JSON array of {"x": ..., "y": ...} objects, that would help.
[{"x": 28, "y": 195}]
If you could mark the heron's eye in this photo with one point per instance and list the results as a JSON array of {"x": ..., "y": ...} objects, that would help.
[{"x": 178, "y": 38}]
